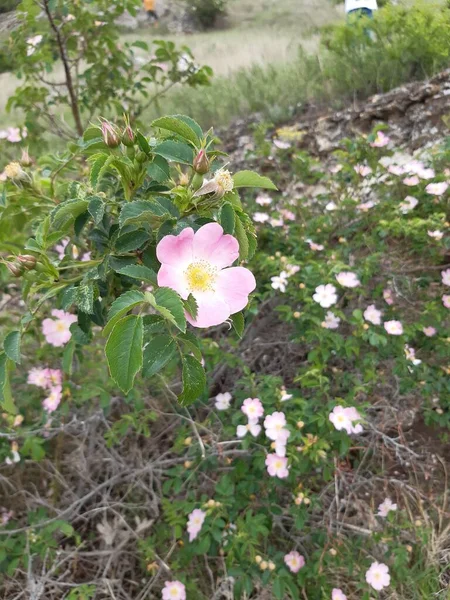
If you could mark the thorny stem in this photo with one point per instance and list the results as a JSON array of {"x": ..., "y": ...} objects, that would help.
[{"x": 69, "y": 83}]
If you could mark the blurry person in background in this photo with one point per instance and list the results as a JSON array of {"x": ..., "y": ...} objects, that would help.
[
  {"x": 361, "y": 8},
  {"x": 149, "y": 7}
]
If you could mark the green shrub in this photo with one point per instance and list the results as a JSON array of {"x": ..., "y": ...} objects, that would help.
[
  {"x": 8, "y": 5},
  {"x": 205, "y": 13}
]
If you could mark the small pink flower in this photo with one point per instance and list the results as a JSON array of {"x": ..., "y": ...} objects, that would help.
[
  {"x": 38, "y": 377},
  {"x": 362, "y": 170},
  {"x": 294, "y": 561},
  {"x": 279, "y": 445},
  {"x": 336, "y": 169},
  {"x": 381, "y": 140},
  {"x": 315, "y": 247},
  {"x": 411, "y": 181},
  {"x": 366, "y": 206},
  {"x": 338, "y": 594},
  {"x": 429, "y": 331},
  {"x": 251, "y": 427},
  {"x": 61, "y": 248},
  {"x": 279, "y": 282},
  {"x": 396, "y": 170},
  {"x": 344, "y": 418},
  {"x": 199, "y": 264},
  {"x": 260, "y": 217},
  {"x": 57, "y": 331},
  {"x": 394, "y": 327},
  {"x": 348, "y": 279},
  {"x": 263, "y": 200},
  {"x": 287, "y": 214},
  {"x": 373, "y": 315},
  {"x": 426, "y": 173},
  {"x": 436, "y": 235},
  {"x": 253, "y": 408},
  {"x": 174, "y": 590},
  {"x": 51, "y": 403},
  {"x": 331, "y": 321},
  {"x": 378, "y": 576},
  {"x": 387, "y": 295},
  {"x": 223, "y": 401},
  {"x": 437, "y": 189},
  {"x": 5, "y": 516},
  {"x": 386, "y": 507},
  {"x": 325, "y": 295},
  {"x": 14, "y": 136},
  {"x": 446, "y": 300},
  {"x": 410, "y": 355},
  {"x": 408, "y": 204},
  {"x": 195, "y": 523},
  {"x": 277, "y": 466},
  {"x": 274, "y": 425},
  {"x": 445, "y": 277}
]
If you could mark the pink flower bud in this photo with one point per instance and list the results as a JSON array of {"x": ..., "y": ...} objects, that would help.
[
  {"x": 16, "y": 269},
  {"x": 201, "y": 163},
  {"x": 27, "y": 260},
  {"x": 110, "y": 135},
  {"x": 128, "y": 137},
  {"x": 25, "y": 159}
]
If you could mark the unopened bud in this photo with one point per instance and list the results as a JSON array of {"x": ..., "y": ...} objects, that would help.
[
  {"x": 187, "y": 464},
  {"x": 300, "y": 424},
  {"x": 15, "y": 268},
  {"x": 128, "y": 137},
  {"x": 296, "y": 315},
  {"x": 27, "y": 260},
  {"x": 258, "y": 559},
  {"x": 333, "y": 552},
  {"x": 184, "y": 179},
  {"x": 302, "y": 286},
  {"x": 201, "y": 163},
  {"x": 264, "y": 565},
  {"x": 187, "y": 441},
  {"x": 25, "y": 159},
  {"x": 272, "y": 566},
  {"x": 365, "y": 326},
  {"x": 110, "y": 135}
]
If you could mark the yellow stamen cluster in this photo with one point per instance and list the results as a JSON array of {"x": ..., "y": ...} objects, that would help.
[
  {"x": 200, "y": 276},
  {"x": 224, "y": 180}
]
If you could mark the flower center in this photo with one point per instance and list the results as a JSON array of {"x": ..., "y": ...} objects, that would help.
[
  {"x": 278, "y": 464},
  {"x": 200, "y": 276},
  {"x": 174, "y": 592},
  {"x": 60, "y": 326}
]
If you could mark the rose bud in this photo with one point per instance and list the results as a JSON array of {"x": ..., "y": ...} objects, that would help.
[
  {"x": 110, "y": 135},
  {"x": 16, "y": 269},
  {"x": 128, "y": 137},
  {"x": 201, "y": 163},
  {"x": 27, "y": 260}
]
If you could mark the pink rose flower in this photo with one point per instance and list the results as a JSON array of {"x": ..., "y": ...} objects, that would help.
[
  {"x": 386, "y": 507},
  {"x": 195, "y": 523},
  {"x": 348, "y": 279},
  {"x": 263, "y": 200},
  {"x": 294, "y": 561},
  {"x": 387, "y": 295},
  {"x": 38, "y": 377},
  {"x": 57, "y": 331},
  {"x": 277, "y": 466},
  {"x": 408, "y": 204},
  {"x": 174, "y": 590},
  {"x": 393, "y": 327},
  {"x": 344, "y": 418},
  {"x": 445, "y": 277},
  {"x": 251, "y": 427},
  {"x": 331, "y": 321},
  {"x": 325, "y": 295},
  {"x": 338, "y": 594},
  {"x": 373, "y": 315},
  {"x": 378, "y": 576},
  {"x": 51, "y": 403},
  {"x": 274, "y": 425},
  {"x": 446, "y": 300},
  {"x": 437, "y": 189},
  {"x": 381, "y": 140},
  {"x": 223, "y": 401},
  {"x": 429, "y": 331},
  {"x": 362, "y": 170},
  {"x": 260, "y": 217},
  {"x": 253, "y": 408},
  {"x": 411, "y": 181},
  {"x": 195, "y": 263}
]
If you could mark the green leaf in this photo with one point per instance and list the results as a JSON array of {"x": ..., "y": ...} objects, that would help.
[
  {"x": 132, "y": 240},
  {"x": 142, "y": 143},
  {"x": 85, "y": 297},
  {"x": 190, "y": 341},
  {"x": 124, "y": 351},
  {"x": 11, "y": 346},
  {"x": 158, "y": 352},
  {"x": 159, "y": 169},
  {"x": 171, "y": 306},
  {"x": 252, "y": 179},
  {"x": 6, "y": 399},
  {"x": 191, "y": 306},
  {"x": 96, "y": 208},
  {"x": 227, "y": 218},
  {"x": 140, "y": 44},
  {"x": 238, "y": 323},
  {"x": 192, "y": 124},
  {"x": 241, "y": 236},
  {"x": 194, "y": 380},
  {"x": 175, "y": 151},
  {"x": 139, "y": 272},
  {"x": 178, "y": 126},
  {"x": 67, "y": 359},
  {"x": 99, "y": 161},
  {"x": 121, "y": 306},
  {"x": 141, "y": 211},
  {"x": 71, "y": 209}
]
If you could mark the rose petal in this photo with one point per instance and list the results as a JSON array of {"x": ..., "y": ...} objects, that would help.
[
  {"x": 212, "y": 245},
  {"x": 234, "y": 285}
]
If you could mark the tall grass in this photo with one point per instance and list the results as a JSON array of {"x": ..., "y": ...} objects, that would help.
[{"x": 355, "y": 59}]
